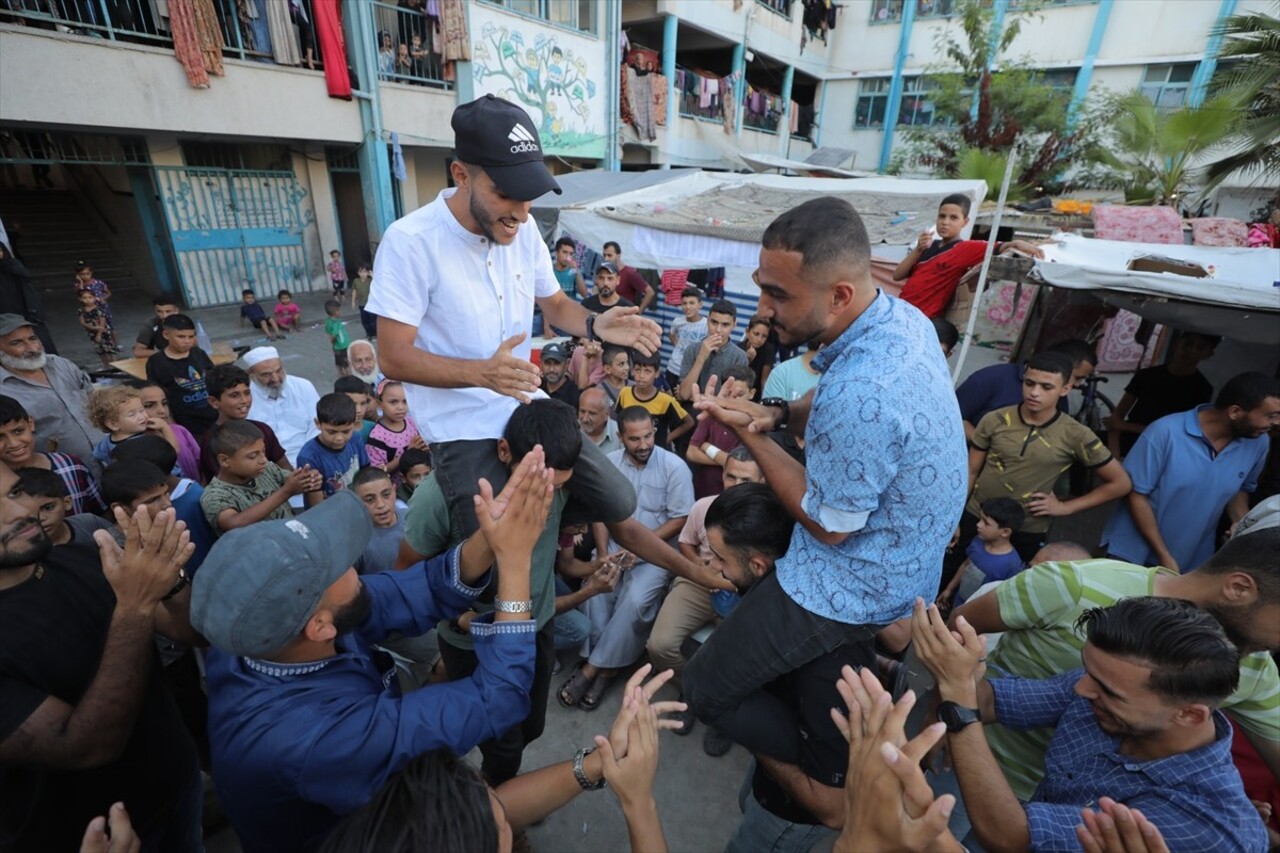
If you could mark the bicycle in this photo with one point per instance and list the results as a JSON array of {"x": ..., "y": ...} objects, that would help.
[{"x": 1094, "y": 412}]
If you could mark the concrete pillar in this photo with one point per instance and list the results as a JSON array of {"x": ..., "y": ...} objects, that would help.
[
  {"x": 1085, "y": 74},
  {"x": 1205, "y": 68},
  {"x": 670, "y": 33},
  {"x": 784, "y": 127},
  {"x": 322, "y": 200},
  {"x": 740, "y": 86},
  {"x": 375, "y": 165},
  {"x": 895, "y": 88}
]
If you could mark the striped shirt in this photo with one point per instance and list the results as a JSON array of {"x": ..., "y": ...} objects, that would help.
[
  {"x": 1040, "y": 607},
  {"x": 80, "y": 484}
]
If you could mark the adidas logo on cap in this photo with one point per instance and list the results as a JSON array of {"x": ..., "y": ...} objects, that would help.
[{"x": 524, "y": 140}]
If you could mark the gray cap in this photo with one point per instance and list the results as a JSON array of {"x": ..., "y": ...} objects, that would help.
[
  {"x": 10, "y": 323},
  {"x": 555, "y": 352},
  {"x": 608, "y": 266},
  {"x": 260, "y": 584}
]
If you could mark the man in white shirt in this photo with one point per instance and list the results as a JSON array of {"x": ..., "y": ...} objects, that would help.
[
  {"x": 455, "y": 284},
  {"x": 285, "y": 403}
]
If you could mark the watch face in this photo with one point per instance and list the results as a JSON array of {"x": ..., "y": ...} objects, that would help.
[{"x": 956, "y": 716}]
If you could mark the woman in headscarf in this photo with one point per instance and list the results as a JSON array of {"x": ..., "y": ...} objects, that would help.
[{"x": 18, "y": 296}]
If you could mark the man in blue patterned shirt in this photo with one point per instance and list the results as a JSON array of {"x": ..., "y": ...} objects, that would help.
[
  {"x": 886, "y": 465},
  {"x": 1139, "y": 724}
]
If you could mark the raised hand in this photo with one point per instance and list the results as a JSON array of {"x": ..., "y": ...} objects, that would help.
[
  {"x": 637, "y": 694},
  {"x": 1116, "y": 828},
  {"x": 299, "y": 481},
  {"x": 512, "y": 522},
  {"x": 626, "y": 328},
  {"x": 954, "y": 657},
  {"x": 510, "y": 376},
  {"x": 923, "y": 241},
  {"x": 736, "y": 412},
  {"x": 631, "y": 775},
  {"x": 155, "y": 550}
]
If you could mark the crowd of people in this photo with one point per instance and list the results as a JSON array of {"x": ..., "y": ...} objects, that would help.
[{"x": 324, "y": 601}]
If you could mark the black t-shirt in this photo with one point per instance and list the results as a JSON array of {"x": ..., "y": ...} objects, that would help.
[
  {"x": 52, "y": 631},
  {"x": 152, "y": 335},
  {"x": 765, "y": 357},
  {"x": 566, "y": 393},
  {"x": 824, "y": 753},
  {"x": 183, "y": 382},
  {"x": 592, "y": 303},
  {"x": 1161, "y": 393}
]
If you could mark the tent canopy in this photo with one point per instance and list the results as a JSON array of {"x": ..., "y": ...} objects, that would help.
[{"x": 701, "y": 219}]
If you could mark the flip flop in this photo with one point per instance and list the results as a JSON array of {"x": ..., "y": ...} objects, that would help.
[
  {"x": 574, "y": 688},
  {"x": 591, "y": 699}
]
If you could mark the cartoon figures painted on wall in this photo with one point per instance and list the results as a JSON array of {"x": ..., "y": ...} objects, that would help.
[{"x": 549, "y": 78}]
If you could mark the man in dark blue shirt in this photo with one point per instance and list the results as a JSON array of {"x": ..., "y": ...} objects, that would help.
[{"x": 306, "y": 719}]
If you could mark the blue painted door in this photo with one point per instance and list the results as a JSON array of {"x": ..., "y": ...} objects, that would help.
[{"x": 234, "y": 229}]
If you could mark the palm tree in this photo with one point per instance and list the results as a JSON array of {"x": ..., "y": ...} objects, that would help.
[{"x": 1254, "y": 83}]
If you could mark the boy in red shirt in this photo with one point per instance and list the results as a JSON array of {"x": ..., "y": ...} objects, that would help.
[{"x": 933, "y": 269}]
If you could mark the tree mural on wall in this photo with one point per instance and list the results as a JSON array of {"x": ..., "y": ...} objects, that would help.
[{"x": 548, "y": 80}]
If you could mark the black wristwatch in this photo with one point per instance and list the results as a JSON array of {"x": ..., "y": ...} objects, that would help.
[
  {"x": 591, "y": 327},
  {"x": 779, "y": 403},
  {"x": 957, "y": 716},
  {"x": 179, "y": 586}
]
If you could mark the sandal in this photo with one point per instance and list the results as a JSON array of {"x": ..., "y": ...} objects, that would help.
[
  {"x": 572, "y": 691},
  {"x": 599, "y": 686}
]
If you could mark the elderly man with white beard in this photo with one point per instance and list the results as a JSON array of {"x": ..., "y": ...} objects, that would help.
[
  {"x": 364, "y": 362},
  {"x": 53, "y": 390},
  {"x": 285, "y": 403}
]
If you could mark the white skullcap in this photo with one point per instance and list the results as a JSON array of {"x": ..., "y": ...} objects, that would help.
[{"x": 257, "y": 355}]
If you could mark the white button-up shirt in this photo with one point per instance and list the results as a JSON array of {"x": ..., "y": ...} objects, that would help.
[
  {"x": 466, "y": 296},
  {"x": 292, "y": 415}
]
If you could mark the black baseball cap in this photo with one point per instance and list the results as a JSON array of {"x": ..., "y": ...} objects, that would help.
[{"x": 499, "y": 137}]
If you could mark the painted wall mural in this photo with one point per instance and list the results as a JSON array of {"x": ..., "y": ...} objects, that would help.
[{"x": 555, "y": 75}]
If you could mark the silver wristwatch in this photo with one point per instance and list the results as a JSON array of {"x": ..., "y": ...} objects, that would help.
[
  {"x": 501, "y": 606},
  {"x": 581, "y": 775}
]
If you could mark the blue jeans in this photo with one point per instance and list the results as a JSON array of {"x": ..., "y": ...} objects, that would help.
[
  {"x": 766, "y": 636},
  {"x": 761, "y": 831},
  {"x": 572, "y": 626}
]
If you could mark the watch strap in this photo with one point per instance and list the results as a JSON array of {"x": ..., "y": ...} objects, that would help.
[
  {"x": 525, "y": 606},
  {"x": 580, "y": 774},
  {"x": 779, "y": 403}
]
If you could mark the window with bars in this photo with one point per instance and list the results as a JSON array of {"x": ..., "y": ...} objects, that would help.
[
  {"x": 873, "y": 99},
  {"x": 575, "y": 14},
  {"x": 1167, "y": 85},
  {"x": 888, "y": 11},
  {"x": 916, "y": 108}
]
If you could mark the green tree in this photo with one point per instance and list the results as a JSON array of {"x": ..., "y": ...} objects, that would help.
[
  {"x": 1012, "y": 101},
  {"x": 1253, "y": 82}
]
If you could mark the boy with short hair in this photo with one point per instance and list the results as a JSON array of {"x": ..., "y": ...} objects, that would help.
[
  {"x": 933, "y": 268},
  {"x": 617, "y": 372},
  {"x": 566, "y": 271},
  {"x": 362, "y": 395},
  {"x": 257, "y": 317},
  {"x": 669, "y": 418},
  {"x": 990, "y": 554},
  {"x": 54, "y": 508},
  {"x": 180, "y": 369},
  {"x": 415, "y": 465},
  {"x": 337, "y": 332},
  {"x": 249, "y": 487},
  {"x": 184, "y": 493},
  {"x": 230, "y": 397},
  {"x": 375, "y": 490},
  {"x": 134, "y": 483},
  {"x": 715, "y": 354},
  {"x": 337, "y": 453},
  {"x": 689, "y": 328}
]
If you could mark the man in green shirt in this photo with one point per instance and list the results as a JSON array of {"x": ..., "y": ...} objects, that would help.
[{"x": 1037, "y": 610}]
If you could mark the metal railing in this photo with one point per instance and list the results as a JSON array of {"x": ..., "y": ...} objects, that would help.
[
  {"x": 766, "y": 121},
  {"x": 408, "y": 46},
  {"x": 778, "y": 7},
  {"x": 690, "y": 86}
]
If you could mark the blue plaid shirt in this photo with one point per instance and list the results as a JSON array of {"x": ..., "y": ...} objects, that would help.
[
  {"x": 884, "y": 443},
  {"x": 1195, "y": 798}
]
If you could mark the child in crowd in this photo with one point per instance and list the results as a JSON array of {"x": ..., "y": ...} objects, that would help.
[
  {"x": 337, "y": 453},
  {"x": 418, "y": 57},
  {"x": 670, "y": 420},
  {"x": 991, "y": 556},
  {"x": 288, "y": 313},
  {"x": 617, "y": 372},
  {"x": 711, "y": 442},
  {"x": 93, "y": 319},
  {"x": 760, "y": 353},
  {"x": 257, "y": 316},
  {"x": 184, "y": 493},
  {"x": 394, "y": 433},
  {"x": 18, "y": 450},
  {"x": 689, "y": 328},
  {"x": 362, "y": 395},
  {"x": 415, "y": 466},
  {"x": 948, "y": 335},
  {"x": 566, "y": 270},
  {"x": 586, "y": 362},
  {"x": 156, "y": 402},
  {"x": 86, "y": 281},
  {"x": 54, "y": 508},
  {"x": 933, "y": 269},
  {"x": 132, "y": 484},
  {"x": 230, "y": 397},
  {"x": 180, "y": 369},
  {"x": 337, "y": 332},
  {"x": 337, "y": 274},
  {"x": 118, "y": 411},
  {"x": 249, "y": 487},
  {"x": 373, "y": 487},
  {"x": 361, "y": 286}
]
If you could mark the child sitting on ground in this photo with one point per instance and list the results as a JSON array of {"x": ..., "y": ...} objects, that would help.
[
  {"x": 288, "y": 313},
  {"x": 394, "y": 433},
  {"x": 415, "y": 466},
  {"x": 257, "y": 317},
  {"x": 230, "y": 397},
  {"x": 118, "y": 411},
  {"x": 373, "y": 487},
  {"x": 362, "y": 395},
  {"x": 991, "y": 556},
  {"x": 670, "y": 420},
  {"x": 249, "y": 487},
  {"x": 93, "y": 319},
  {"x": 337, "y": 332},
  {"x": 156, "y": 402},
  {"x": 933, "y": 269},
  {"x": 337, "y": 453}
]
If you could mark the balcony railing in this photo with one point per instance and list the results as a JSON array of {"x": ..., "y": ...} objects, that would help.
[
  {"x": 761, "y": 110},
  {"x": 408, "y": 46},
  {"x": 697, "y": 98}
]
